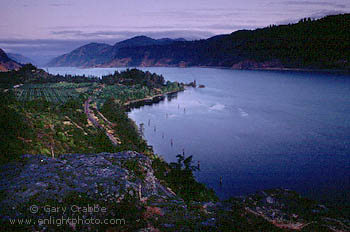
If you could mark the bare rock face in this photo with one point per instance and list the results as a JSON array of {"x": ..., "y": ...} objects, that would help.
[
  {"x": 130, "y": 172},
  {"x": 118, "y": 182}
]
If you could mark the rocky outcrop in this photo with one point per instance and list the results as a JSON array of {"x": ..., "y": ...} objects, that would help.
[
  {"x": 288, "y": 210},
  {"x": 108, "y": 180},
  {"x": 119, "y": 192}
]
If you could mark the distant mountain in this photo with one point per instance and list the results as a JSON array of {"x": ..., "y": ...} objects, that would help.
[
  {"x": 313, "y": 44},
  {"x": 20, "y": 58},
  {"x": 144, "y": 41},
  {"x": 87, "y": 55},
  {"x": 96, "y": 54},
  {"x": 6, "y": 63}
]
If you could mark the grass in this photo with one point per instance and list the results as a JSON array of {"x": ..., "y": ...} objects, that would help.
[
  {"x": 37, "y": 127},
  {"x": 134, "y": 166}
]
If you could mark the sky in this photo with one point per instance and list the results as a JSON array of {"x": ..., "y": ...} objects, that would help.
[{"x": 43, "y": 29}]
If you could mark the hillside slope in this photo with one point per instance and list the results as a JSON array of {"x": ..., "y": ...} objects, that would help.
[
  {"x": 95, "y": 54},
  {"x": 315, "y": 44},
  {"x": 6, "y": 63},
  {"x": 19, "y": 58},
  {"x": 323, "y": 43},
  {"x": 86, "y": 55}
]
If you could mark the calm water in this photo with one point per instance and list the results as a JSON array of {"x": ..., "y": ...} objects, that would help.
[{"x": 256, "y": 129}]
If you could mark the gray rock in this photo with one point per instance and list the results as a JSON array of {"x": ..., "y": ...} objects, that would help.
[
  {"x": 41, "y": 178},
  {"x": 270, "y": 200}
]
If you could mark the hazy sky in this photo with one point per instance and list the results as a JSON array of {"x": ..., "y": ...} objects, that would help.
[{"x": 57, "y": 26}]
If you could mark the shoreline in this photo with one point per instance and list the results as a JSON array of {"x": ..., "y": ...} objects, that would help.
[
  {"x": 149, "y": 100},
  {"x": 331, "y": 71}
]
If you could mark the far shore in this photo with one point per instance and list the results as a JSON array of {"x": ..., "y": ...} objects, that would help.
[{"x": 335, "y": 71}]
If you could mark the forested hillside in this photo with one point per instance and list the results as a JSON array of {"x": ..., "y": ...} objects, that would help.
[{"x": 313, "y": 44}]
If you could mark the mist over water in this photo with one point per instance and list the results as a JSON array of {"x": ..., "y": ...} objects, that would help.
[{"x": 255, "y": 129}]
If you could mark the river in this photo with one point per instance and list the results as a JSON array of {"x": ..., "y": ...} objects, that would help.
[{"x": 255, "y": 129}]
